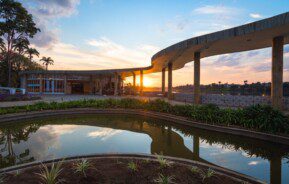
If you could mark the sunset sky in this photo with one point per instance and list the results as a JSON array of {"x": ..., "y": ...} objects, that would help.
[{"x": 106, "y": 34}]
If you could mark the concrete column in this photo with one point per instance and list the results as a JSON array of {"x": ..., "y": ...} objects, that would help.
[
  {"x": 41, "y": 83},
  {"x": 134, "y": 79},
  {"x": 277, "y": 72},
  {"x": 100, "y": 85},
  {"x": 91, "y": 85},
  {"x": 276, "y": 170},
  {"x": 134, "y": 83},
  {"x": 170, "y": 81},
  {"x": 115, "y": 84},
  {"x": 164, "y": 81},
  {"x": 197, "y": 73},
  {"x": 65, "y": 84},
  {"x": 196, "y": 147},
  {"x": 141, "y": 82}
]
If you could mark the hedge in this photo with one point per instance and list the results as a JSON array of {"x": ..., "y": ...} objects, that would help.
[{"x": 258, "y": 117}]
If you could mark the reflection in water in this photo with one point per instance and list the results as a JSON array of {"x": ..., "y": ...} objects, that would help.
[{"x": 60, "y": 137}]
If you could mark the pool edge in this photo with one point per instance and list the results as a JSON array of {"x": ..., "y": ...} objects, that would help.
[{"x": 164, "y": 116}]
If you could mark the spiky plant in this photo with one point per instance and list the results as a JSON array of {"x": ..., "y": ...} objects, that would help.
[
  {"x": 132, "y": 166},
  {"x": 195, "y": 169},
  {"x": 164, "y": 179},
  {"x": 82, "y": 166},
  {"x": 51, "y": 176},
  {"x": 17, "y": 173},
  {"x": 2, "y": 178},
  {"x": 163, "y": 162},
  {"x": 207, "y": 174}
]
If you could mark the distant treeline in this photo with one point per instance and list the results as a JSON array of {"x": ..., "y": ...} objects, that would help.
[{"x": 257, "y": 88}]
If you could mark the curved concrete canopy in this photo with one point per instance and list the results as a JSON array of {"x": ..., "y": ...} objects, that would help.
[{"x": 256, "y": 35}]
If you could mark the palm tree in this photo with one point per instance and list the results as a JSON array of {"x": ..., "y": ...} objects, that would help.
[
  {"x": 47, "y": 61},
  {"x": 20, "y": 45},
  {"x": 31, "y": 52}
]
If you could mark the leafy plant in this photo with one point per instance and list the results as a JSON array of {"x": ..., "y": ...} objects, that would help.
[
  {"x": 51, "y": 176},
  {"x": 132, "y": 166},
  {"x": 82, "y": 166},
  {"x": 2, "y": 178},
  {"x": 195, "y": 169},
  {"x": 207, "y": 174},
  {"x": 164, "y": 179},
  {"x": 163, "y": 162}
]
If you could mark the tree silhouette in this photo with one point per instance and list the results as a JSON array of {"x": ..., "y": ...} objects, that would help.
[
  {"x": 47, "y": 61},
  {"x": 15, "y": 23},
  {"x": 31, "y": 52}
]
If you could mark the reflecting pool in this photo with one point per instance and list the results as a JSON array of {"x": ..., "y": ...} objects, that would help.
[{"x": 62, "y": 136}]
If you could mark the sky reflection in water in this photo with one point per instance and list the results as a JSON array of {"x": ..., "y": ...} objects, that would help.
[{"x": 48, "y": 138}]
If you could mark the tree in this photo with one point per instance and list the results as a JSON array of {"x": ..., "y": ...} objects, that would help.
[
  {"x": 2, "y": 45},
  {"x": 31, "y": 52},
  {"x": 15, "y": 23},
  {"x": 21, "y": 45},
  {"x": 47, "y": 61}
]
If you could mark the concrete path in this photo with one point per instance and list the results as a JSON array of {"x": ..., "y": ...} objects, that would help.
[{"x": 66, "y": 98}]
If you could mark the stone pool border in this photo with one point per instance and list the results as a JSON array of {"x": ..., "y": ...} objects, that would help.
[
  {"x": 163, "y": 116},
  {"x": 185, "y": 162}
]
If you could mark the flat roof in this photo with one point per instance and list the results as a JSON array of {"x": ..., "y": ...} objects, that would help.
[
  {"x": 255, "y": 35},
  {"x": 123, "y": 72}
]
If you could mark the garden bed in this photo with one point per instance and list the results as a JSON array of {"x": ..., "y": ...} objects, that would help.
[{"x": 127, "y": 169}]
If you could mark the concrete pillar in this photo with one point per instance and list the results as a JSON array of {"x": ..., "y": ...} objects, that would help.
[
  {"x": 134, "y": 83},
  {"x": 65, "y": 84},
  {"x": 164, "y": 81},
  {"x": 141, "y": 82},
  {"x": 134, "y": 79},
  {"x": 277, "y": 72},
  {"x": 197, "y": 73},
  {"x": 91, "y": 85},
  {"x": 170, "y": 81},
  {"x": 115, "y": 84},
  {"x": 100, "y": 85},
  {"x": 41, "y": 83},
  {"x": 120, "y": 84},
  {"x": 276, "y": 170},
  {"x": 196, "y": 148}
]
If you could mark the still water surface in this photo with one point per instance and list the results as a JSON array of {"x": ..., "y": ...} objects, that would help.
[{"x": 64, "y": 136}]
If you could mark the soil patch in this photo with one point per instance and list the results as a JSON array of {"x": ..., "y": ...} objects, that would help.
[{"x": 117, "y": 171}]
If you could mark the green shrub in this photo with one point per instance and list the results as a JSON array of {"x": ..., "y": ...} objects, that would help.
[
  {"x": 265, "y": 118},
  {"x": 159, "y": 106},
  {"x": 258, "y": 117}
]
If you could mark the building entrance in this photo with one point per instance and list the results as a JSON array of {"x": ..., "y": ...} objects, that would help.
[{"x": 77, "y": 88}]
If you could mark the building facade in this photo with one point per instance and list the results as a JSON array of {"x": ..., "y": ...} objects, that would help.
[{"x": 51, "y": 82}]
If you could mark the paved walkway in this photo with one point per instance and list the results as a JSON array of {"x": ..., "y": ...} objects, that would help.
[{"x": 66, "y": 98}]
